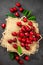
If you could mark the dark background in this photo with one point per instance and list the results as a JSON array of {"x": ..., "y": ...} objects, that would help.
[{"x": 37, "y": 8}]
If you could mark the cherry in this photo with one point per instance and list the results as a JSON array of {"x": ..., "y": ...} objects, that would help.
[
  {"x": 18, "y": 4},
  {"x": 14, "y": 33},
  {"x": 3, "y": 25},
  {"x": 12, "y": 10},
  {"x": 37, "y": 35},
  {"x": 31, "y": 38},
  {"x": 34, "y": 39},
  {"x": 23, "y": 39},
  {"x": 26, "y": 58},
  {"x": 17, "y": 58},
  {"x": 30, "y": 23},
  {"x": 10, "y": 41},
  {"x": 25, "y": 19},
  {"x": 27, "y": 28},
  {"x": 19, "y": 24},
  {"x": 33, "y": 28},
  {"x": 15, "y": 46},
  {"x": 15, "y": 9},
  {"x": 31, "y": 33},
  {"x": 14, "y": 40},
  {"x": 20, "y": 39},
  {"x": 17, "y": 14},
  {"x": 23, "y": 28},
  {"x": 21, "y": 34},
  {"x": 21, "y": 9},
  {"x": 21, "y": 62},
  {"x": 27, "y": 47},
  {"x": 26, "y": 34},
  {"x": 28, "y": 41},
  {"x": 22, "y": 44}
]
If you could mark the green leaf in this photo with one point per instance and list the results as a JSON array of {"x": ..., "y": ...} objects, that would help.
[
  {"x": 19, "y": 50},
  {"x": 11, "y": 54},
  {"x": 10, "y": 14},
  {"x": 32, "y": 18},
  {"x": 25, "y": 12},
  {"x": 29, "y": 14}
]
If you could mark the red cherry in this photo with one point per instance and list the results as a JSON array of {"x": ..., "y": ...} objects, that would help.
[
  {"x": 15, "y": 46},
  {"x": 25, "y": 19},
  {"x": 14, "y": 33},
  {"x": 21, "y": 31},
  {"x": 3, "y": 25},
  {"x": 34, "y": 39},
  {"x": 11, "y": 10},
  {"x": 26, "y": 58},
  {"x": 20, "y": 39},
  {"x": 23, "y": 28},
  {"x": 26, "y": 34},
  {"x": 27, "y": 28},
  {"x": 23, "y": 39},
  {"x": 27, "y": 47},
  {"x": 18, "y": 4},
  {"x": 21, "y": 62},
  {"x": 17, "y": 14},
  {"x": 15, "y": 9},
  {"x": 31, "y": 38},
  {"x": 14, "y": 40},
  {"x": 31, "y": 33},
  {"x": 17, "y": 58},
  {"x": 30, "y": 23},
  {"x": 22, "y": 44},
  {"x": 21, "y": 9},
  {"x": 28, "y": 41},
  {"x": 19, "y": 24},
  {"x": 33, "y": 28},
  {"x": 10, "y": 41},
  {"x": 37, "y": 35},
  {"x": 21, "y": 34}
]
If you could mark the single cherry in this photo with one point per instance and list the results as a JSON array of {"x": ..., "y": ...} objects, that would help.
[
  {"x": 20, "y": 39},
  {"x": 23, "y": 39},
  {"x": 3, "y": 25},
  {"x": 21, "y": 62},
  {"x": 23, "y": 28},
  {"x": 18, "y": 4},
  {"x": 15, "y": 9},
  {"x": 27, "y": 28},
  {"x": 12, "y": 10},
  {"x": 30, "y": 23},
  {"x": 26, "y": 34},
  {"x": 15, "y": 46},
  {"x": 17, "y": 58},
  {"x": 26, "y": 58},
  {"x": 14, "y": 33},
  {"x": 21, "y": 9},
  {"x": 27, "y": 47},
  {"x": 25, "y": 19},
  {"x": 21, "y": 34},
  {"x": 17, "y": 14},
  {"x": 14, "y": 40},
  {"x": 19, "y": 24},
  {"x": 10, "y": 41},
  {"x": 22, "y": 44},
  {"x": 31, "y": 33}
]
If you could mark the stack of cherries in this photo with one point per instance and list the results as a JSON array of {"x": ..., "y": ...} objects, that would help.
[
  {"x": 26, "y": 35},
  {"x": 15, "y": 9}
]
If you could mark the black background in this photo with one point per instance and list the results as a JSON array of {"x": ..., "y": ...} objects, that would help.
[{"x": 37, "y": 8}]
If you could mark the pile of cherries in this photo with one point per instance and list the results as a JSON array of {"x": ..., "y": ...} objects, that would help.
[
  {"x": 15, "y": 9},
  {"x": 26, "y": 35}
]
